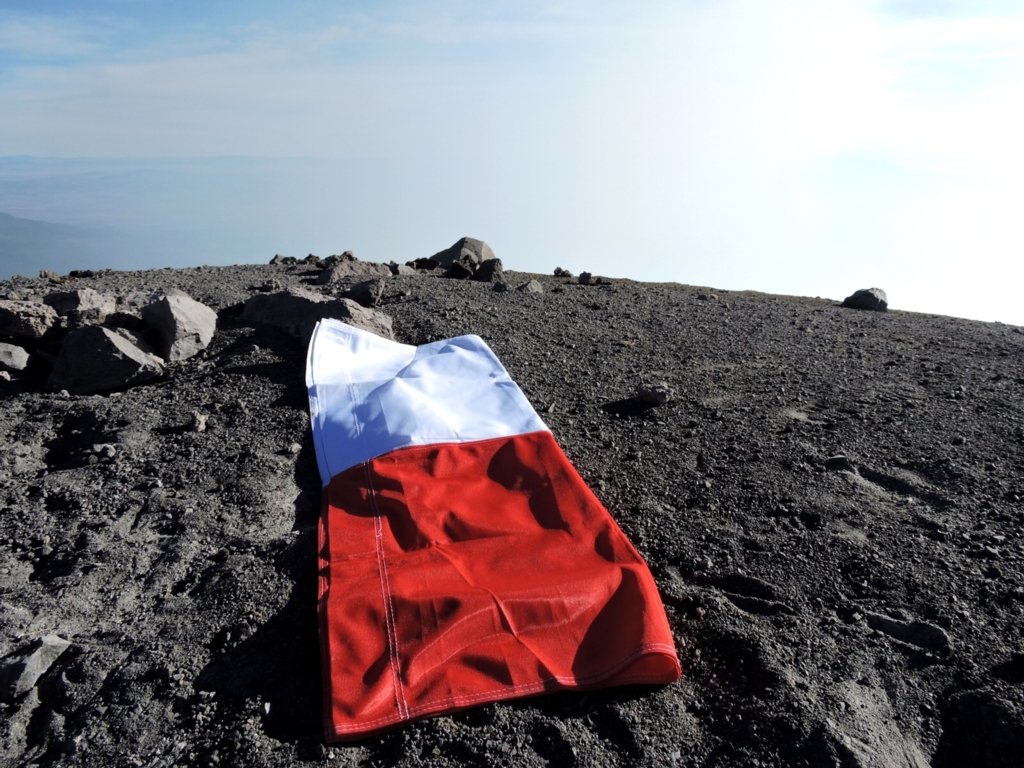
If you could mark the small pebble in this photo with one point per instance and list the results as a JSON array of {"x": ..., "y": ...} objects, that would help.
[{"x": 199, "y": 421}]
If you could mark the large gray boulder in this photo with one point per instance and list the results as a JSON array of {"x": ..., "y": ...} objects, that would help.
[
  {"x": 12, "y": 357},
  {"x": 868, "y": 298},
  {"x": 82, "y": 307},
  {"x": 182, "y": 325},
  {"x": 348, "y": 268},
  {"x": 20, "y": 673},
  {"x": 25, "y": 319},
  {"x": 297, "y": 311},
  {"x": 467, "y": 251},
  {"x": 95, "y": 359}
]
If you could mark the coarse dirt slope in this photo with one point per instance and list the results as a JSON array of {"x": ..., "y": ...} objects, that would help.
[{"x": 830, "y": 611}]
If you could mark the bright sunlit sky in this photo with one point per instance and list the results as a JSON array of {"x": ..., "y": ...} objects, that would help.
[{"x": 806, "y": 147}]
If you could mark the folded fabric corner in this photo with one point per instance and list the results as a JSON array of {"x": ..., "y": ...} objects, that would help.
[{"x": 462, "y": 558}]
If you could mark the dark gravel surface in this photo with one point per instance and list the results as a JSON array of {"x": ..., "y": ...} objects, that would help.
[{"x": 831, "y": 505}]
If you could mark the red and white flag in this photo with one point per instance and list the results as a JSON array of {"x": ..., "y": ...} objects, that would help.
[{"x": 462, "y": 558}]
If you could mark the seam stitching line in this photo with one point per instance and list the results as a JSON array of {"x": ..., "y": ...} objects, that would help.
[{"x": 389, "y": 615}]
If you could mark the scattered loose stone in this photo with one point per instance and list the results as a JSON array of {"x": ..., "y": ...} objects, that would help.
[
  {"x": 839, "y": 462},
  {"x": 199, "y": 421},
  {"x": 12, "y": 357},
  {"x": 531, "y": 287},
  {"x": 106, "y": 450},
  {"x": 867, "y": 298},
  {"x": 20, "y": 673},
  {"x": 657, "y": 393},
  {"x": 25, "y": 319},
  {"x": 294, "y": 449},
  {"x": 270, "y": 286},
  {"x": 53, "y": 277},
  {"x": 182, "y": 325},
  {"x": 95, "y": 359},
  {"x": 586, "y": 278},
  {"x": 298, "y": 310}
]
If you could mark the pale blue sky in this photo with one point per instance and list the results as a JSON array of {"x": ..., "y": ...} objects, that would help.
[{"x": 796, "y": 146}]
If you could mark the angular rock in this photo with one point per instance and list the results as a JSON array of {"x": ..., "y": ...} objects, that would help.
[
  {"x": 490, "y": 271},
  {"x": 531, "y": 287},
  {"x": 20, "y": 673},
  {"x": 95, "y": 359},
  {"x": 559, "y": 272},
  {"x": 657, "y": 393},
  {"x": 459, "y": 271},
  {"x": 82, "y": 307},
  {"x": 199, "y": 421},
  {"x": 425, "y": 263},
  {"x": 297, "y": 311},
  {"x": 12, "y": 357},
  {"x": 499, "y": 287},
  {"x": 839, "y": 462},
  {"x": 584, "y": 278},
  {"x": 48, "y": 274},
  {"x": 868, "y": 298},
  {"x": 135, "y": 338},
  {"x": 466, "y": 249},
  {"x": 25, "y": 319},
  {"x": 366, "y": 293},
  {"x": 403, "y": 269},
  {"x": 136, "y": 300},
  {"x": 349, "y": 268},
  {"x": 335, "y": 258},
  {"x": 182, "y": 325}
]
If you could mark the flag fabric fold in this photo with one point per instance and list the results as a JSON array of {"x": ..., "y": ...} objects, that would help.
[{"x": 462, "y": 559}]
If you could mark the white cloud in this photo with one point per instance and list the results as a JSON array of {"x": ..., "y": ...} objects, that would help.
[
  {"x": 33, "y": 36},
  {"x": 794, "y": 146}
]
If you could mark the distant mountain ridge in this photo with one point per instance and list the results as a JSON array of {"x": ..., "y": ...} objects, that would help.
[{"x": 28, "y": 245}]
